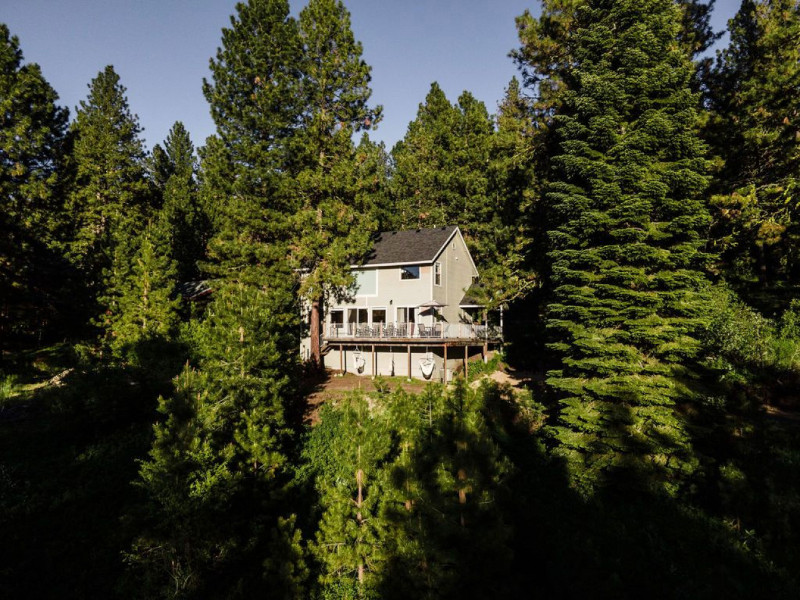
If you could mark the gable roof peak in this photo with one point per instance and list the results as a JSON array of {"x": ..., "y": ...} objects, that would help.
[{"x": 410, "y": 246}]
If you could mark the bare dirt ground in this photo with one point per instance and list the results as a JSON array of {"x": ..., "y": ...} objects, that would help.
[
  {"x": 784, "y": 415},
  {"x": 516, "y": 379},
  {"x": 332, "y": 385}
]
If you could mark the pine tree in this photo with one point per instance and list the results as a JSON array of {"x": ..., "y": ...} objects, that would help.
[
  {"x": 110, "y": 196},
  {"x": 236, "y": 482},
  {"x": 255, "y": 100},
  {"x": 755, "y": 131},
  {"x": 453, "y": 168},
  {"x": 143, "y": 317},
  {"x": 331, "y": 230},
  {"x": 447, "y": 537},
  {"x": 512, "y": 270},
  {"x": 32, "y": 129},
  {"x": 475, "y": 210},
  {"x": 173, "y": 168},
  {"x": 352, "y": 536},
  {"x": 547, "y": 53},
  {"x": 218, "y": 476},
  {"x": 424, "y": 165},
  {"x": 373, "y": 172},
  {"x": 627, "y": 265}
]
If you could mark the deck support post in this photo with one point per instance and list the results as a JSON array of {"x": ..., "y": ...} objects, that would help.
[
  {"x": 466, "y": 361},
  {"x": 341, "y": 360},
  {"x": 409, "y": 361},
  {"x": 374, "y": 362},
  {"x": 444, "y": 376}
]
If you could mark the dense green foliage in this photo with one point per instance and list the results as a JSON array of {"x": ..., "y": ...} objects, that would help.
[
  {"x": 452, "y": 168},
  {"x": 173, "y": 172},
  {"x": 32, "y": 129},
  {"x": 143, "y": 312},
  {"x": 626, "y": 239},
  {"x": 754, "y": 130},
  {"x": 635, "y": 203},
  {"x": 218, "y": 471},
  {"x": 109, "y": 196},
  {"x": 409, "y": 491}
]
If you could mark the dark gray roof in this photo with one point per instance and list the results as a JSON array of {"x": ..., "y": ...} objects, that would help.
[
  {"x": 472, "y": 295},
  {"x": 408, "y": 247}
]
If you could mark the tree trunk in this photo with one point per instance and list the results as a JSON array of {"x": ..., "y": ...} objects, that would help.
[
  {"x": 316, "y": 320},
  {"x": 359, "y": 516}
]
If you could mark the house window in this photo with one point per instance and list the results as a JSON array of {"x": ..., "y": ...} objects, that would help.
[
  {"x": 357, "y": 316},
  {"x": 366, "y": 282},
  {"x": 337, "y": 322},
  {"x": 379, "y": 316},
  {"x": 437, "y": 273},
  {"x": 406, "y": 314},
  {"x": 409, "y": 272}
]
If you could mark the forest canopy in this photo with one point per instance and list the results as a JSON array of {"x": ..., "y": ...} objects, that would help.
[{"x": 632, "y": 205}]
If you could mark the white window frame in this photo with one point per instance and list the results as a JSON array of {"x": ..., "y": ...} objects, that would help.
[
  {"x": 407, "y": 309},
  {"x": 437, "y": 273},
  {"x": 377, "y": 279},
  {"x": 372, "y": 309},
  {"x": 417, "y": 278}
]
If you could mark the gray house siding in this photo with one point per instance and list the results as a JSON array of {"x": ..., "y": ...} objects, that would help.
[{"x": 388, "y": 298}]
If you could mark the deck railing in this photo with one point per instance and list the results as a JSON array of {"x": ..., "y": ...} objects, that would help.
[{"x": 384, "y": 331}]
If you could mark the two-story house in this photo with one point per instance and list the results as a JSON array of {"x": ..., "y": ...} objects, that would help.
[{"x": 410, "y": 313}]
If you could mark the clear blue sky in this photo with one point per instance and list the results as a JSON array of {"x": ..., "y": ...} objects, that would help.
[{"x": 161, "y": 48}]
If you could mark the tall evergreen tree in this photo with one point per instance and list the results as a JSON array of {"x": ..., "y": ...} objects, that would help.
[
  {"x": 452, "y": 168},
  {"x": 331, "y": 231},
  {"x": 218, "y": 477},
  {"x": 755, "y": 131},
  {"x": 235, "y": 478},
  {"x": 352, "y": 538},
  {"x": 32, "y": 128},
  {"x": 255, "y": 100},
  {"x": 547, "y": 52},
  {"x": 373, "y": 173},
  {"x": 515, "y": 249},
  {"x": 627, "y": 265},
  {"x": 424, "y": 165},
  {"x": 110, "y": 196},
  {"x": 447, "y": 537},
  {"x": 173, "y": 168},
  {"x": 142, "y": 308}
]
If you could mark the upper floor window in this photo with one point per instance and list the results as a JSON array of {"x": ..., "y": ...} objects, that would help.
[
  {"x": 366, "y": 282},
  {"x": 437, "y": 273},
  {"x": 409, "y": 272}
]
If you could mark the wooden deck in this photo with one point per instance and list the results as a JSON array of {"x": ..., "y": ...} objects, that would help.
[{"x": 402, "y": 334}]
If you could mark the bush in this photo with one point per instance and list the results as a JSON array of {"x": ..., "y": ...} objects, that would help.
[
  {"x": 8, "y": 386},
  {"x": 742, "y": 336}
]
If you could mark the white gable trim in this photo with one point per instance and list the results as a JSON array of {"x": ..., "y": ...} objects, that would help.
[{"x": 399, "y": 264}]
